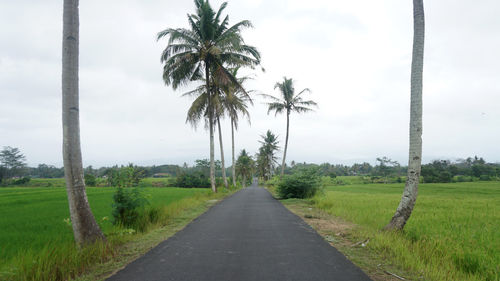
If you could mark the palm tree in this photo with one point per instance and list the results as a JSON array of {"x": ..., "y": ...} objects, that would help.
[
  {"x": 244, "y": 167},
  {"x": 290, "y": 102},
  {"x": 219, "y": 113},
  {"x": 410, "y": 192},
  {"x": 235, "y": 101},
  {"x": 222, "y": 101},
  {"x": 267, "y": 154},
  {"x": 208, "y": 47},
  {"x": 85, "y": 228}
]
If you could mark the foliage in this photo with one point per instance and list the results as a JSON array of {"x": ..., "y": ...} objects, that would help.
[
  {"x": 244, "y": 167},
  {"x": 289, "y": 102},
  {"x": 303, "y": 184},
  {"x": 386, "y": 166},
  {"x": 47, "y": 171},
  {"x": 90, "y": 180},
  {"x": 127, "y": 205},
  {"x": 469, "y": 169},
  {"x": 12, "y": 161},
  {"x": 450, "y": 236},
  {"x": 21, "y": 181},
  {"x": 196, "y": 179},
  {"x": 266, "y": 157},
  {"x": 208, "y": 44},
  {"x": 3, "y": 173},
  {"x": 125, "y": 176},
  {"x": 205, "y": 51}
]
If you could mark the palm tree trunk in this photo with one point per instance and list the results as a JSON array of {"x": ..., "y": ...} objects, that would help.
[
  {"x": 244, "y": 181},
  {"x": 410, "y": 192},
  {"x": 233, "y": 168},
  {"x": 85, "y": 228},
  {"x": 211, "y": 128},
  {"x": 222, "y": 154},
  {"x": 286, "y": 142}
]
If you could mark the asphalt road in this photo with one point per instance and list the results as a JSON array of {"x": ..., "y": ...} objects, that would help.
[{"x": 248, "y": 236}]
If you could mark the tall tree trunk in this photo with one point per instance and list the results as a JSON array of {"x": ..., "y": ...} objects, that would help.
[
  {"x": 211, "y": 128},
  {"x": 222, "y": 154},
  {"x": 410, "y": 192},
  {"x": 233, "y": 168},
  {"x": 286, "y": 142},
  {"x": 244, "y": 181},
  {"x": 85, "y": 228}
]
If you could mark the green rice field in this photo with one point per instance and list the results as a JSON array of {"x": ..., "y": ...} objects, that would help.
[
  {"x": 453, "y": 233},
  {"x": 32, "y": 218}
]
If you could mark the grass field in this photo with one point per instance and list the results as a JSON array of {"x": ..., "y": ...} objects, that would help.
[
  {"x": 453, "y": 233},
  {"x": 32, "y": 219}
]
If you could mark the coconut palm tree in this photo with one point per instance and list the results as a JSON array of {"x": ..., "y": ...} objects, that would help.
[
  {"x": 410, "y": 192},
  {"x": 207, "y": 48},
  {"x": 267, "y": 154},
  {"x": 244, "y": 167},
  {"x": 85, "y": 228},
  {"x": 235, "y": 101},
  {"x": 223, "y": 101},
  {"x": 290, "y": 102}
]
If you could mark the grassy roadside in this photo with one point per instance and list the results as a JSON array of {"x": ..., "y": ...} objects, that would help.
[
  {"x": 453, "y": 234},
  {"x": 339, "y": 233},
  {"x": 60, "y": 259},
  {"x": 139, "y": 244}
]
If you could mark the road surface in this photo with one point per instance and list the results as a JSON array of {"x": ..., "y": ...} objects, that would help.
[{"x": 248, "y": 236}]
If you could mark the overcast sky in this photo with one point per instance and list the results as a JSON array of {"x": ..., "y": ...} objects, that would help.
[{"x": 355, "y": 56}]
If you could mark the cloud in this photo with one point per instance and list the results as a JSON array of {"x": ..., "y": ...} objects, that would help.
[{"x": 355, "y": 60}]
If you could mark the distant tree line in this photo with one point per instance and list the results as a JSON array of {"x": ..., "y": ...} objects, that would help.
[
  {"x": 442, "y": 171},
  {"x": 13, "y": 169}
]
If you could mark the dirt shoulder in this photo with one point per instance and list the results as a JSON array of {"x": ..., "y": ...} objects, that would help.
[{"x": 337, "y": 232}]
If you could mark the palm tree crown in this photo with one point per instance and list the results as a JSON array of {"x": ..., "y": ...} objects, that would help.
[
  {"x": 266, "y": 158},
  {"x": 290, "y": 101},
  {"x": 209, "y": 43},
  {"x": 244, "y": 166}
]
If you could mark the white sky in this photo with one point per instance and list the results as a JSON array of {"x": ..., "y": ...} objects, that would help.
[{"x": 354, "y": 55}]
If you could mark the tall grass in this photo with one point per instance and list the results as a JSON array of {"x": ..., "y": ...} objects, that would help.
[{"x": 453, "y": 233}]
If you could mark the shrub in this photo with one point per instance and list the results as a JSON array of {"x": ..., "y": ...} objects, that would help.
[
  {"x": 125, "y": 176},
  {"x": 126, "y": 207},
  {"x": 484, "y": 178},
  {"x": 192, "y": 180},
  {"x": 90, "y": 180},
  {"x": 21, "y": 181},
  {"x": 303, "y": 184}
]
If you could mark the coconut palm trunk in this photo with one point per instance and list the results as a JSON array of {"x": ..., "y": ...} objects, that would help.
[
  {"x": 224, "y": 178},
  {"x": 286, "y": 143},
  {"x": 85, "y": 228},
  {"x": 410, "y": 192},
  {"x": 211, "y": 128},
  {"x": 233, "y": 168}
]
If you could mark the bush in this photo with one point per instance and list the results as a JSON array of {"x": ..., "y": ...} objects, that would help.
[
  {"x": 192, "y": 180},
  {"x": 125, "y": 176},
  {"x": 127, "y": 205},
  {"x": 461, "y": 178},
  {"x": 303, "y": 184},
  {"x": 21, "y": 181},
  {"x": 90, "y": 180},
  {"x": 484, "y": 178}
]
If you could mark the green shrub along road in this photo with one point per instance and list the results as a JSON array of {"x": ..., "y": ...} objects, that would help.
[{"x": 453, "y": 233}]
